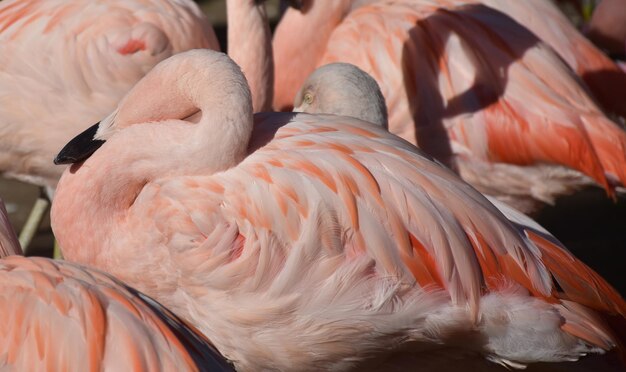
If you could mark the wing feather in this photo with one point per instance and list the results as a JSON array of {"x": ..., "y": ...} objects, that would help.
[
  {"x": 470, "y": 91},
  {"x": 445, "y": 234},
  {"x": 60, "y": 316}
]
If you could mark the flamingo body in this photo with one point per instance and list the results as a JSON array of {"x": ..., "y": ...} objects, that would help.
[
  {"x": 65, "y": 64},
  {"x": 59, "y": 316},
  {"x": 599, "y": 72},
  {"x": 500, "y": 106},
  {"x": 317, "y": 241}
]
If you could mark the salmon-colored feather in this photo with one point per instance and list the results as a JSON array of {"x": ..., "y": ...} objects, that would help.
[
  {"x": 476, "y": 89},
  {"x": 60, "y": 316},
  {"x": 599, "y": 72},
  {"x": 63, "y": 317}
]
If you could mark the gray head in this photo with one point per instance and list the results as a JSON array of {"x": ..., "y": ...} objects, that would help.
[{"x": 342, "y": 89}]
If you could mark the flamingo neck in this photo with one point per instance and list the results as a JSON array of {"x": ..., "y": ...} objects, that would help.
[
  {"x": 191, "y": 115},
  {"x": 299, "y": 44},
  {"x": 84, "y": 219},
  {"x": 249, "y": 44}
]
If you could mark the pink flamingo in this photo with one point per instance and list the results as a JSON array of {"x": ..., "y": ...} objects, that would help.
[
  {"x": 65, "y": 63},
  {"x": 471, "y": 87},
  {"x": 59, "y": 316},
  {"x": 345, "y": 90},
  {"x": 326, "y": 241}
]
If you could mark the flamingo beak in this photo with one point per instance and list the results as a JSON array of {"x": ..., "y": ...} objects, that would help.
[{"x": 80, "y": 148}]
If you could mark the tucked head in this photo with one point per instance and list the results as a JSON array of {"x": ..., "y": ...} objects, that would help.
[
  {"x": 195, "y": 102},
  {"x": 342, "y": 89}
]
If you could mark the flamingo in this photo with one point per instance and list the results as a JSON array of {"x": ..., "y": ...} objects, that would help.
[
  {"x": 342, "y": 89},
  {"x": 64, "y": 63},
  {"x": 320, "y": 242},
  {"x": 60, "y": 316},
  {"x": 471, "y": 87}
]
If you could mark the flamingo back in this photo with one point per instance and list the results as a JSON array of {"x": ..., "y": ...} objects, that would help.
[
  {"x": 65, "y": 64},
  {"x": 326, "y": 201},
  {"x": 470, "y": 94}
]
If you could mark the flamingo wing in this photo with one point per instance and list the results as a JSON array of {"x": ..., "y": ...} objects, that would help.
[
  {"x": 600, "y": 73},
  {"x": 500, "y": 96},
  {"x": 319, "y": 190},
  {"x": 61, "y": 316}
]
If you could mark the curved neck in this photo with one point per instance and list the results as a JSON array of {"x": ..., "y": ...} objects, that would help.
[
  {"x": 190, "y": 115},
  {"x": 250, "y": 45},
  {"x": 299, "y": 43}
]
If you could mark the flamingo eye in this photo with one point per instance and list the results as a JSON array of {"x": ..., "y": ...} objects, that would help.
[{"x": 308, "y": 98}]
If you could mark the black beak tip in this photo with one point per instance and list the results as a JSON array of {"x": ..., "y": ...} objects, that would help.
[
  {"x": 60, "y": 159},
  {"x": 80, "y": 148}
]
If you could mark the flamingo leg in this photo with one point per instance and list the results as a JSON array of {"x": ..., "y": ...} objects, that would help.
[
  {"x": 33, "y": 222},
  {"x": 57, "y": 254}
]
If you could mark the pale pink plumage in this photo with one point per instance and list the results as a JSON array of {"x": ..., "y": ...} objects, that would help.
[
  {"x": 471, "y": 87},
  {"x": 59, "y": 316},
  {"x": 67, "y": 63},
  {"x": 306, "y": 242}
]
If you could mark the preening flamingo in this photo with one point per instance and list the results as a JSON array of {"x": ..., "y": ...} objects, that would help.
[
  {"x": 470, "y": 86},
  {"x": 345, "y": 90},
  {"x": 59, "y": 316},
  {"x": 319, "y": 242},
  {"x": 64, "y": 63}
]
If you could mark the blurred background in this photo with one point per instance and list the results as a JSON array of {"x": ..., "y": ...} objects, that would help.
[{"x": 590, "y": 225}]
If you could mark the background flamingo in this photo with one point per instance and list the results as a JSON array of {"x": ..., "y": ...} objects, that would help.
[
  {"x": 59, "y": 316},
  {"x": 345, "y": 90},
  {"x": 603, "y": 77},
  {"x": 67, "y": 63},
  {"x": 470, "y": 86},
  {"x": 322, "y": 242}
]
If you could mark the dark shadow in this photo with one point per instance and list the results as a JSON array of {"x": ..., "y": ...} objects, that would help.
[
  {"x": 609, "y": 86},
  {"x": 597, "y": 236},
  {"x": 265, "y": 130},
  {"x": 204, "y": 354},
  {"x": 491, "y": 41}
]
